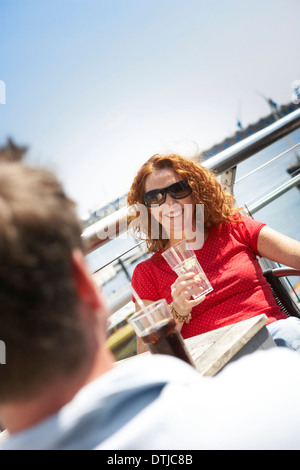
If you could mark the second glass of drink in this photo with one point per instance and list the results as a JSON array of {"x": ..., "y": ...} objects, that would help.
[{"x": 156, "y": 327}]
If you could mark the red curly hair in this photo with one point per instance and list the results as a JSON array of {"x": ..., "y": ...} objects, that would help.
[{"x": 219, "y": 205}]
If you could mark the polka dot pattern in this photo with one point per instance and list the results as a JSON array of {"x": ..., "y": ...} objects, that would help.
[{"x": 229, "y": 259}]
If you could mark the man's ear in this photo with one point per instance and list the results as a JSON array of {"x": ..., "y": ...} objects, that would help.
[{"x": 86, "y": 288}]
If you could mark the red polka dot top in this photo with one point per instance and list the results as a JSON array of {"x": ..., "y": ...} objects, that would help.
[{"x": 229, "y": 260}]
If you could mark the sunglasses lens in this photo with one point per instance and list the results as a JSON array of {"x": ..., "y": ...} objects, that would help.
[
  {"x": 177, "y": 190},
  {"x": 155, "y": 197},
  {"x": 180, "y": 190}
]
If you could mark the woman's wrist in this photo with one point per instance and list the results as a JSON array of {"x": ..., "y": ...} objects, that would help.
[{"x": 178, "y": 316}]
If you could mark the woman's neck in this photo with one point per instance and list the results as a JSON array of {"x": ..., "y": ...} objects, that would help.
[{"x": 201, "y": 237}]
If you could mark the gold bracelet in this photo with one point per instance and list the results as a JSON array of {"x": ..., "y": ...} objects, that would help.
[{"x": 178, "y": 317}]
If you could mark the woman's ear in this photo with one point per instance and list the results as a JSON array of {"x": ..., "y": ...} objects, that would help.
[{"x": 86, "y": 288}]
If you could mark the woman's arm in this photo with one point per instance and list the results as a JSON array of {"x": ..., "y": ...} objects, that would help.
[{"x": 277, "y": 247}]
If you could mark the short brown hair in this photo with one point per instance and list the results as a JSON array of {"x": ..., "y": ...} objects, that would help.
[
  {"x": 39, "y": 323},
  {"x": 11, "y": 152},
  {"x": 218, "y": 204}
]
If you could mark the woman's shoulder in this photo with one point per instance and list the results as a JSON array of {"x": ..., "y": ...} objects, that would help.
[
  {"x": 148, "y": 271},
  {"x": 239, "y": 221},
  {"x": 238, "y": 225},
  {"x": 154, "y": 260},
  {"x": 245, "y": 229}
]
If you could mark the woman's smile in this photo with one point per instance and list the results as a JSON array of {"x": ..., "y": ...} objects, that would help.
[
  {"x": 173, "y": 215},
  {"x": 176, "y": 216}
]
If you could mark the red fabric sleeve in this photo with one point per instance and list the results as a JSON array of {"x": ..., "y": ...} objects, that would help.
[
  {"x": 247, "y": 231},
  {"x": 144, "y": 282}
]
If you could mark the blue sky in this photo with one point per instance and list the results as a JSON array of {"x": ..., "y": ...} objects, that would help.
[{"x": 95, "y": 87}]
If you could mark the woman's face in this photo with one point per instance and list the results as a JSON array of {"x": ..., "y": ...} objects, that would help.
[{"x": 175, "y": 215}]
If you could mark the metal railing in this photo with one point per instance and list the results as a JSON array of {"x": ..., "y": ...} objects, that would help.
[
  {"x": 272, "y": 195},
  {"x": 224, "y": 164},
  {"x": 116, "y": 223},
  {"x": 244, "y": 149}
]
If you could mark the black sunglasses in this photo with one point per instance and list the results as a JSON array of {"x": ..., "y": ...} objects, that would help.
[{"x": 177, "y": 190}]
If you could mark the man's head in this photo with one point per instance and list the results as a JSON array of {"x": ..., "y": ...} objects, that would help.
[
  {"x": 41, "y": 282},
  {"x": 11, "y": 152}
]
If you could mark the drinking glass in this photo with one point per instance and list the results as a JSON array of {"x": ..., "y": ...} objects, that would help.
[
  {"x": 156, "y": 327},
  {"x": 182, "y": 259}
]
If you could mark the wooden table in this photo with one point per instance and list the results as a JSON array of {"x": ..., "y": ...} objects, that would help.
[{"x": 213, "y": 350}]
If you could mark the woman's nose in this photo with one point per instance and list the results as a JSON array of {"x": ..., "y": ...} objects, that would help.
[{"x": 169, "y": 200}]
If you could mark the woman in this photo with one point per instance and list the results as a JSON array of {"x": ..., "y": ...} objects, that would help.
[{"x": 171, "y": 188}]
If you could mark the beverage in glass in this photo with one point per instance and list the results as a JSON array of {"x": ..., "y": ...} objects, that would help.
[
  {"x": 182, "y": 259},
  {"x": 156, "y": 327}
]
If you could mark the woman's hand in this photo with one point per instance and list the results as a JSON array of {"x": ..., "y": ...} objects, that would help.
[{"x": 183, "y": 288}]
